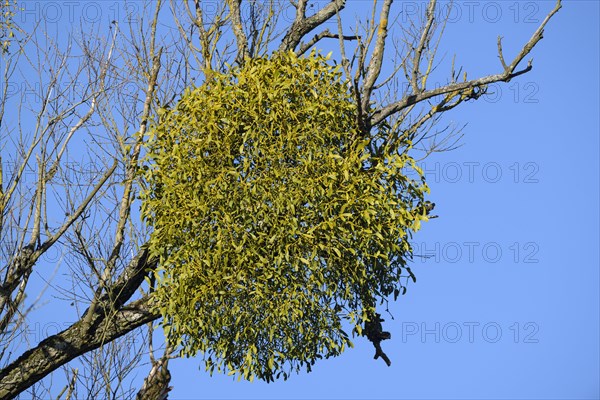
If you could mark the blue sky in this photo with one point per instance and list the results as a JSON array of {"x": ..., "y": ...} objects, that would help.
[{"x": 507, "y": 306}]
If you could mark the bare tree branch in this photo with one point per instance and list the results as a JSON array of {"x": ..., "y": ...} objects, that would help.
[
  {"x": 29, "y": 255},
  {"x": 156, "y": 385},
  {"x": 238, "y": 30},
  {"x": 67, "y": 345},
  {"x": 304, "y": 47},
  {"x": 303, "y": 25},
  {"x": 467, "y": 88},
  {"x": 374, "y": 68},
  {"x": 423, "y": 44}
]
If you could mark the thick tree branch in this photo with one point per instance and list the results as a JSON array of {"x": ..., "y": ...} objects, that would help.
[
  {"x": 78, "y": 339},
  {"x": 238, "y": 30},
  {"x": 156, "y": 385},
  {"x": 67, "y": 345},
  {"x": 302, "y": 25},
  {"x": 374, "y": 68},
  {"x": 423, "y": 43}
]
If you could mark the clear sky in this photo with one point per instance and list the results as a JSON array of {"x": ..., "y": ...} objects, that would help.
[{"x": 507, "y": 306}]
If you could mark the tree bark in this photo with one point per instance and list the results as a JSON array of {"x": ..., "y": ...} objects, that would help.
[
  {"x": 74, "y": 341},
  {"x": 110, "y": 320}
]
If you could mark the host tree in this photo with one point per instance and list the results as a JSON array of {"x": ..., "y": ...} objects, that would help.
[{"x": 233, "y": 173}]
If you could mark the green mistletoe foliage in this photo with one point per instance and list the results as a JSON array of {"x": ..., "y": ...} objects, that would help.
[{"x": 272, "y": 219}]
